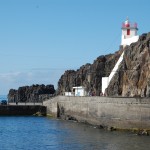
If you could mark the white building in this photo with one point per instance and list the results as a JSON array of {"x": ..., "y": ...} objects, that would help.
[
  {"x": 69, "y": 94},
  {"x": 129, "y": 35},
  {"x": 79, "y": 91}
]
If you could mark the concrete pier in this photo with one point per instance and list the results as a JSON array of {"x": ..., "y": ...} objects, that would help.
[
  {"x": 123, "y": 113},
  {"x": 22, "y": 110}
]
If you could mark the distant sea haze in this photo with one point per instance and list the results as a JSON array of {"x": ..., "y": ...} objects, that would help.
[{"x": 3, "y": 97}]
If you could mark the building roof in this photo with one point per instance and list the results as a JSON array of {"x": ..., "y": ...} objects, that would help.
[{"x": 78, "y": 87}]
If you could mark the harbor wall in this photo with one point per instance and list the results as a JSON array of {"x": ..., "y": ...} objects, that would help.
[
  {"x": 123, "y": 113},
  {"x": 24, "y": 110}
]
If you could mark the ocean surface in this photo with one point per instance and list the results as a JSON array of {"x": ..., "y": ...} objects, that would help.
[{"x": 43, "y": 133}]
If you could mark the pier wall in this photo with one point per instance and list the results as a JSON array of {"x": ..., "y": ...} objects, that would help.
[
  {"x": 24, "y": 110},
  {"x": 123, "y": 113}
]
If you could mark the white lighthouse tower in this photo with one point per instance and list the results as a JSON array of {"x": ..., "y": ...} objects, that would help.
[{"x": 129, "y": 33}]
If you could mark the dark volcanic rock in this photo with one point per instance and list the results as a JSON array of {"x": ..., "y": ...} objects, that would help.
[
  {"x": 34, "y": 93},
  {"x": 133, "y": 76},
  {"x": 88, "y": 75}
]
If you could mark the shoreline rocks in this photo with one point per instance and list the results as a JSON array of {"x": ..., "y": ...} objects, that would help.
[{"x": 34, "y": 93}]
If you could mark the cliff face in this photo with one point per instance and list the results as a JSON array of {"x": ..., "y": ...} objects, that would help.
[
  {"x": 131, "y": 79},
  {"x": 88, "y": 75},
  {"x": 34, "y": 93},
  {"x": 133, "y": 75}
]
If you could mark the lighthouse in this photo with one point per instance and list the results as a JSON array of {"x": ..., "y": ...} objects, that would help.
[{"x": 129, "y": 33}]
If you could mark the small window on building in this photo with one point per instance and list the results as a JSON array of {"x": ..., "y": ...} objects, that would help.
[{"x": 128, "y": 31}]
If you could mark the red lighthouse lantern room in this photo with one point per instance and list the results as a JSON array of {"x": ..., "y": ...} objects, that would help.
[{"x": 127, "y": 25}]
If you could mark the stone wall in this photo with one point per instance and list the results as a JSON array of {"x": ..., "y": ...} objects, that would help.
[{"x": 121, "y": 113}]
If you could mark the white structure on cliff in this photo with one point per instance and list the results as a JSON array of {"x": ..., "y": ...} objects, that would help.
[
  {"x": 129, "y": 35},
  {"x": 77, "y": 91}
]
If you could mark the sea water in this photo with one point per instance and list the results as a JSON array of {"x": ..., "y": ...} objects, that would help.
[{"x": 42, "y": 133}]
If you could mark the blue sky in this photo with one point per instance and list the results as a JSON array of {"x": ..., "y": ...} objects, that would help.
[{"x": 40, "y": 39}]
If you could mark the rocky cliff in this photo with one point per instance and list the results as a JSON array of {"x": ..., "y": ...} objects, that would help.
[
  {"x": 88, "y": 75},
  {"x": 131, "y": 79},
  {"x": 133, "y": 76},
  {"x": 34, "y": 93}
]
